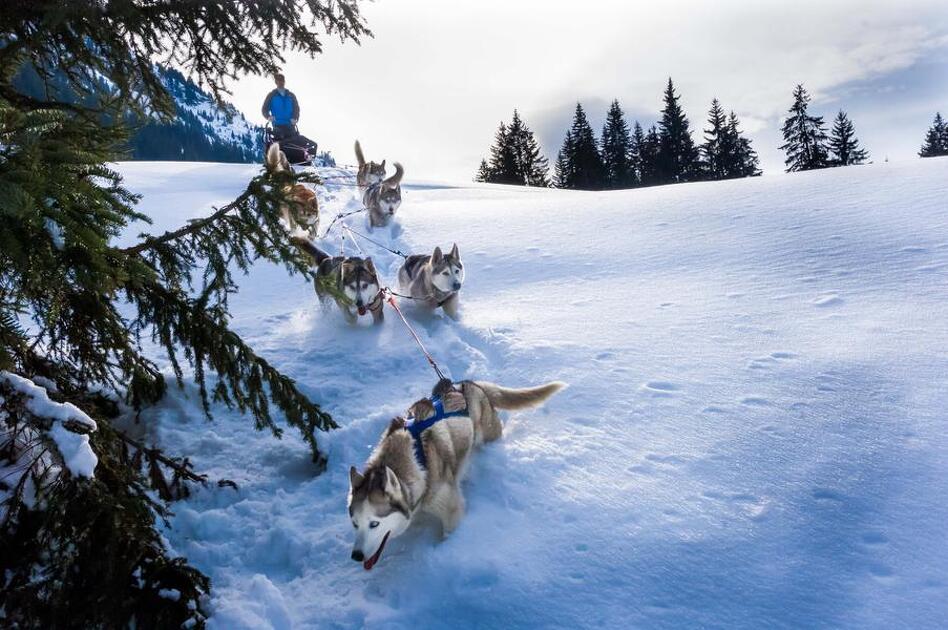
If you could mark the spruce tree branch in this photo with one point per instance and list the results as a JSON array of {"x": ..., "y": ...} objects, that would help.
[{"x": 155, "y": 453}]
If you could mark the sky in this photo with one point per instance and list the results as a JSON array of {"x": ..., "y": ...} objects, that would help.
[{"x": 431, "y": 87}]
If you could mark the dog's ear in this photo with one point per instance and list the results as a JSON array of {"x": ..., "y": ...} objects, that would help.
[
  {"x": 437, "y": 256},
  {"x": 392, "y": 487},
  {"x": 454, "y": 252},
  {"x": 383, "y": 166},
  {"x": 355, "y": 479},
  {"x": 370, "y": 266}
]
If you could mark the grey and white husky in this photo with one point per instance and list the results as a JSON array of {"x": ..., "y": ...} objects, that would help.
[
  {"x": 384, "y": 198},
  {"x": 369, "y": 172},
  {"x": 351, "y": 281},
  {"x": 380, "y": 196},
  {"x": 434, "y": 279},
  {"x": 398, "y": 484}
]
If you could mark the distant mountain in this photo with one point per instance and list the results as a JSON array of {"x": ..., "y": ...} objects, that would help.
[{"x": 203, "y": 131}]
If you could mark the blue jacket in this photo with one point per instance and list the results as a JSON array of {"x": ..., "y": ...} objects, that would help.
[{"x": 283, "y": 107}]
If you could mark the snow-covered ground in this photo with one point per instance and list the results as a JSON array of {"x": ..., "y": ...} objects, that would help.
[{"x": 754, "y": 434}]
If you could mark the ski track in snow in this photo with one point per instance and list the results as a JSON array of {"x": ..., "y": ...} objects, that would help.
[{"x": 754, "y": 433}]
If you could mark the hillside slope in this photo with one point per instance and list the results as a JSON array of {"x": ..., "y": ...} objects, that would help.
[{"x": 754, "y": 433}]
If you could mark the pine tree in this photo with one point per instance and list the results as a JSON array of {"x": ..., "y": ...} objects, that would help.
[
  {"x": 588, "y": 171},
  {"x": 636, "y": 147},
  {"x": 843, "y": 143},
  {"x": 678, "y": 156},
  {"x": 563, "y": 168},
  {"x": 718, "y": 147},
  {"x": 936, "y": 140},
  {"x": 740, "y": 158},
  {"x": 616, "y": 150},
  {"x": 503, "y": 160},
  {"x": 80, "y": 545},
  {"x": 578, "y": 164},
  {"x": 531, "y": 167},
  {"x": 804, "y": 136},
  {"x": 483, "y": 173},
  {"x": 651, "y": 154}
]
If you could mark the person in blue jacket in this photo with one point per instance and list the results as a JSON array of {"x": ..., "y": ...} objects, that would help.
[{"x": 281, "y": 108}]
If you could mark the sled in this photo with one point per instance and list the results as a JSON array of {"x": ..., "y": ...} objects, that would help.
[{"x": 298, "y": 150}]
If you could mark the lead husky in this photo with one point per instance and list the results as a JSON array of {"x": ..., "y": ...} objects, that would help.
[
  {"x": 351, "y": 281},
  {"x": 435, "y": 280},
  {"x": 380, "y": 196},
  {"x": 307, "y": 207},
  {"x": 395, "y": 485},
  {"x": 369, "y": 172}
]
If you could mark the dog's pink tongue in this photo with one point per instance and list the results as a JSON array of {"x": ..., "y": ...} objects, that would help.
[{"x": 370, "y": 562}]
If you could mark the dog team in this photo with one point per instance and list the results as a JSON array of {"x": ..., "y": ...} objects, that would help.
[{"x": 420, "y": 460}]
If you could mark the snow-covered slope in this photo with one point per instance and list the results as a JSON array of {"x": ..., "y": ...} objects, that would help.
[{"x": 754, "y": 435}]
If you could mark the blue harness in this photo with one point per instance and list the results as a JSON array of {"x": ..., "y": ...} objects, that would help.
[{"x": 417, "y": 427}]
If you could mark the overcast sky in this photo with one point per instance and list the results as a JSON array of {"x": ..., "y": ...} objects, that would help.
[{"x": 430, "y": 89}]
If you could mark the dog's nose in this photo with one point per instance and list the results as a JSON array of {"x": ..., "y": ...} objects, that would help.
[
  {"x": 457, "y": 285},
  {"x": 357, "y": 555},
  {"x": 359, "y": 302}
]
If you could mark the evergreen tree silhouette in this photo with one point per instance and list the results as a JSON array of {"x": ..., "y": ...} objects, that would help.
[
  {"x": 616, "y": 150},
  {"x": 483, "y": 172},
  {"x": 503, "y": 161},
  {"x": 678, "y": 155},
  {"x": 936, "y": 140},
  {"x": 843, "y": 143},
  {"x": 719, "y": 147},
  {"x": 532, "y": 169},
  {"x": 636, "y": 146},
  {"x": 579, "y": 164},
  {"x": 563, "y": 171},
  {"x": 804, "y": 136},
  {"x": 650, "y": 155},
  {"x": 743, "y": 160}
]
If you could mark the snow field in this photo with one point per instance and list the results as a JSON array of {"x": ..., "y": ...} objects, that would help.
[{"x": 754, "y": 433}]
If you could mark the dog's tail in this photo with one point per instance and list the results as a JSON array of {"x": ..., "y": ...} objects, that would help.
[
  {"x": 359, "y": 157},
  {"x": 395, "y": 179},
  {"x": 505, "y": 398},
  {"x": 272, "y": 160},
  {"x": 314, "y": 252}
]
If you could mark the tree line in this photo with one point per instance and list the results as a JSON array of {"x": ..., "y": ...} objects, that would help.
[{"x": 623, "y": 157}]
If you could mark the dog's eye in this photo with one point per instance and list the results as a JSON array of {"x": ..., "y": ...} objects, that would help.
[
  {"x": 355, "y": 525},
  {"x": 444, "y": 273},
  {"x": 373, "y": 524}
]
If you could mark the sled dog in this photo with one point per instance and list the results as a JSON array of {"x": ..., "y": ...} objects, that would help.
[
  {"x": 352, "y": 282},
  {"x": 434, "y": 279},
  {"x": 369, "y": 172},
  {"x": 380, "y": 196},
  {"x": 307, "y": 207},
  {"x": 382, "y": 199},
  {"x": 413, "y": 471}
]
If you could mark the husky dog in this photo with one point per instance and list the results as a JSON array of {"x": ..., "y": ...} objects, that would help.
[
  {"x": 382, "y": 199},
  {"x": 304, "y": 199},
  {"x": 369, "y": 172},
  {"x": 436, "y": 279},
  {"x": 352, "y": 282},
  {"x": 407, "y": 475}
]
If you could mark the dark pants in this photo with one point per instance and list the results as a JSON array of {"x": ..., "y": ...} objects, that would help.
[{"x": 288, "y": 134}]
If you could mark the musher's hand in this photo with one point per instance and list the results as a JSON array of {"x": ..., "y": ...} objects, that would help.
[
  {"x": 293, "y": 121},
  {"x": 270, "y": 118}
]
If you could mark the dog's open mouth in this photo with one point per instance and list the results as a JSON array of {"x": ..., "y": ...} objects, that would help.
[
  {"x": 370, "y": 562},
  {"x": 361, "y": 310}
]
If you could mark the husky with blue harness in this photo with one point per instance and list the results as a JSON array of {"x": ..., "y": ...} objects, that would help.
[{"x": 420, "y": 461}]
